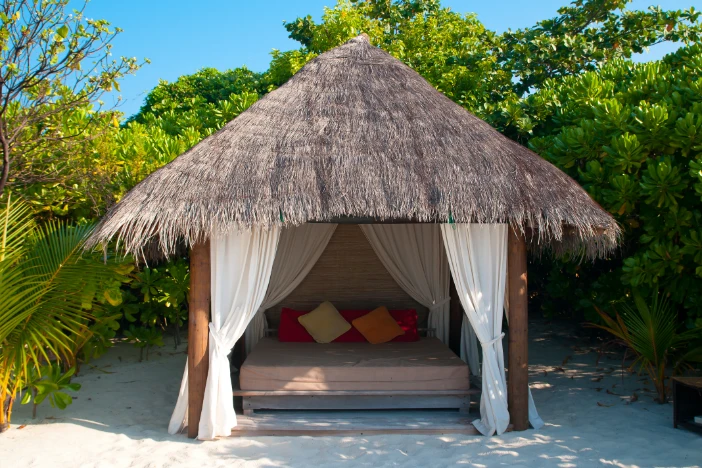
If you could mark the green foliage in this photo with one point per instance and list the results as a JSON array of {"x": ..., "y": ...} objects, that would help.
[
  {"x": 631, "y": 134},
  {"x": 70, "y": 180},
  {"x": 587, "y": 34},
  {"x": 49, "y": 292},
  {"x": 196, "y": 91},
  {"x": 651, "y": 331},
  {"x": 476, "y": 67},
  {"x": 50, "y": 383},
  {"x": 143, "y": 338},
  {"x": 154, "y": 300},
  {"x": 54, "y": 64},
  {"x": 105, "y": 322}
]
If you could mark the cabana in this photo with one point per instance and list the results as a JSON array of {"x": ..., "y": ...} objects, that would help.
[{"x": 357, "y": 150}]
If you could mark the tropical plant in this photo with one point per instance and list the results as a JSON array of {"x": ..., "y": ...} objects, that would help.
[
  {"x": 49, "y": 382},
  {"x": 652, "y": 332},
  {"x": 144, "y": 338},
  {"x": 49, "y": 291},
  {"x": 158, "y": 301},
  {"x": 175, "y": 293}
]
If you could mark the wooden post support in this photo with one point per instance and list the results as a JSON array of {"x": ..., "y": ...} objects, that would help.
[
  {"x": 198, "y": 332},
  {"x": 518, "y": 382}
]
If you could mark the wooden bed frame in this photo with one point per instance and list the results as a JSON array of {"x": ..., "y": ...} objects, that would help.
[{"x": 253, "y": 400}]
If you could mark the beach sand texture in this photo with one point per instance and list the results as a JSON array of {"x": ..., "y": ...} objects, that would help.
[{"x": 119, "y": 419}]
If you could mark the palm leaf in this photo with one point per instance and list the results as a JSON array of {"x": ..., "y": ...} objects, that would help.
[
  {"x": 651, "y": 331},
  {"x": 15, "y": 223},
  {"x": 41, "y": 301}
]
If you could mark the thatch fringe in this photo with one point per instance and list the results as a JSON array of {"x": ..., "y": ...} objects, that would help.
[{"x": 356, "y": 133}]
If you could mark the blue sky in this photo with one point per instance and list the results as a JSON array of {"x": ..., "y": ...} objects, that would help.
[{"x": 181, "y": 37}]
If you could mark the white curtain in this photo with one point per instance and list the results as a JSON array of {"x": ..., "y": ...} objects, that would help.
[
  {"x": 469, "y": 347},
  {"x": 477, "y": 255},
  {"x": 241, "y": 264},
  {"x": 414, "y": 256},
  {"x": 298, "y": 250}
]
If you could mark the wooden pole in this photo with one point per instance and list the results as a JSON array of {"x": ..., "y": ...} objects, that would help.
[
  {"x": 198, "y": 332},
  {"x": 518, "y": 382}
]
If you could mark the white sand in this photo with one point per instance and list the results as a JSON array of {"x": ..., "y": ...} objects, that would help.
[{"x": 120, "y": 418}]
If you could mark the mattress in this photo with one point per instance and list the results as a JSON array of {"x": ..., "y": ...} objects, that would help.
[{"x": 427, "y": 364}]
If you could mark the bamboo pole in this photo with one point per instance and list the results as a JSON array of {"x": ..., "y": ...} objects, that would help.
[
  {"x": 518, "y": 382},
  {"x": 198, "y": 332}
]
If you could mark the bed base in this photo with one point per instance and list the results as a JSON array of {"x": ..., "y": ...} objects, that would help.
[{"x": 253, "y": 400}]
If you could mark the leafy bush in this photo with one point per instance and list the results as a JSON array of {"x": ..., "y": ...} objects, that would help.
[
  {"x": 161, "y": 300},
  {"x": 631, "y": 135},
  {"x": 144, "y": 338}
]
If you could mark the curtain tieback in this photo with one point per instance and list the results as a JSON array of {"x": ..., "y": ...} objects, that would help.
[
  {"x": 218, "y": 342},
  {"x": 436, "y": 305},
  {"x": 493, "y": 341}
]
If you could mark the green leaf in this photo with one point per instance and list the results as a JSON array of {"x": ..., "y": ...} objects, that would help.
[
  {"x": 62, "y": 32},
  {"x": 113, "y": 296},
  {"x": 62, "y": 400}
]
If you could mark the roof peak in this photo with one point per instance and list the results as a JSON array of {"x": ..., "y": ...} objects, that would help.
[{"x": 361, "y": 38}]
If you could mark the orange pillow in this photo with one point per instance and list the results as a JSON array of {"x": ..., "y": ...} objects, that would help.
[{"x": 378, "y": 326}]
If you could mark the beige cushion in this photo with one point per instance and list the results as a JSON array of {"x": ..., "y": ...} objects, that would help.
[
  {"x": 427, "y": 364},
  {"x": 325, "y": 323}
]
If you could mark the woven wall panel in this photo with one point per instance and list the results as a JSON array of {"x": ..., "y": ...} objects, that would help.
[{"x": 351, "y": 276}]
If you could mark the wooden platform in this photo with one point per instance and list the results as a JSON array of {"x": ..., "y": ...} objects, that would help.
[
  {"x": 346, "y": 423},
  {"x": 257, "y": 400},
  {"x": 352, "y": 393}
]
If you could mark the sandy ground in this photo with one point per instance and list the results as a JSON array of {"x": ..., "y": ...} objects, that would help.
[{"x": 119, "y": 419}]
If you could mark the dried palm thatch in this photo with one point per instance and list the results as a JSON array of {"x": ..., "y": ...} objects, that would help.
[{"x": 356, "y": 133}]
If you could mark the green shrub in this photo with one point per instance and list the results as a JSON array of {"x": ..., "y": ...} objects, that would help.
[{"x": 631, "y": 135}]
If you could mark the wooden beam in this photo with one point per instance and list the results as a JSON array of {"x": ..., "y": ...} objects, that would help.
[
  {"x": 369, "y": 220},
  {"x": 355, "y": 393},
  {"x": 518, "y": 382},
  {"x": 327, "y": 423},
  {"x": 198, "y": 332},
  {"x": 455, "y": 320}
]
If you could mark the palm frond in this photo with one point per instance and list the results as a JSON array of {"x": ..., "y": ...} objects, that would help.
[
  {"x": 650, "y": 329},
  {"x": 42, "y": 307},
  {"x": 16, "y": 222}
]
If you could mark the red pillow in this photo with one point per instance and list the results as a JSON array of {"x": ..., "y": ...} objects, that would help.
[
  {"x": 290, "y": 330},
  {"x": 407, "y": 319}
]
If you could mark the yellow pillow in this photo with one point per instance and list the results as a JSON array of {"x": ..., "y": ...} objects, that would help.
[
  {"x": 378, "y": 326},
  {"x": 324, "y": 323}
]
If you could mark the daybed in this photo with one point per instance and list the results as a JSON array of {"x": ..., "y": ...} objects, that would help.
[{"x": 420, "y": 374}]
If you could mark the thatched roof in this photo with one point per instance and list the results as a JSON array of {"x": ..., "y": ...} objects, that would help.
[{"x": 356, "y": 133}]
